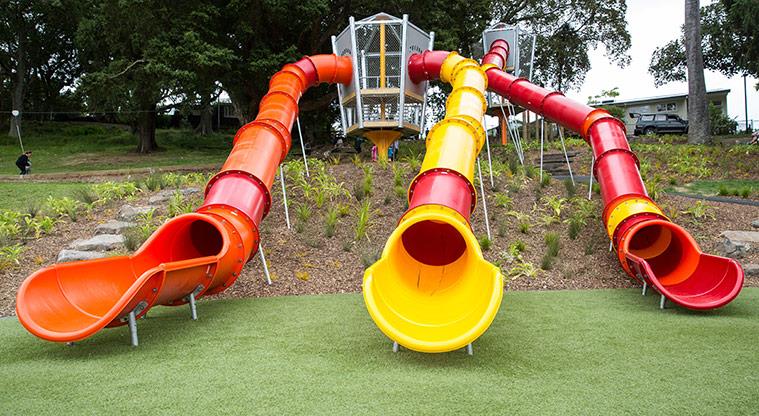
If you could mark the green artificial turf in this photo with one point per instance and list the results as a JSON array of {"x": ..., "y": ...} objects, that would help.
[
  {"x": 563, "y": 352},
  {"x": 20, "y": 195},
  {"x": 712, "y": 187}
]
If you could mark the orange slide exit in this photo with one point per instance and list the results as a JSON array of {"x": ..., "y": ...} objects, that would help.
[{"x": 192, "y": 255}]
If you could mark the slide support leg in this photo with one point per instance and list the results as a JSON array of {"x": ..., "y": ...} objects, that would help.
[
  {"x": 193, "y": 307},
  {"x": 133, "y": 329},
  {"x": 396, "y": 347},
  {"x": 263, "y": 262}
]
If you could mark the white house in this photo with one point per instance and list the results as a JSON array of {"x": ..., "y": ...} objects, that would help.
[{"x": 666, "y": 104}]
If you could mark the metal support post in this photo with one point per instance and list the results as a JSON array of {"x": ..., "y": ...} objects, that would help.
[
  {"x": 302, "y": 147},
  {"x": 193, "y": 307},
  {"x": 133, "y": 328},
  {"x": 566, "y": 156},
  {"x": 263, "y": 262},
  {"x": 484, "y": 200},
  {"x": 284, "y": 195}
]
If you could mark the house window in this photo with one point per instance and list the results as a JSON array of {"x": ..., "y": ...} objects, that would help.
[
  {"x": 717, "y": 103},
  {"x": 666, "y": 107},
  {"x": 228, "y": 111}
]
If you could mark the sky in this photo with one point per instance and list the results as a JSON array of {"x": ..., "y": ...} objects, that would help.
[{"x": 651, "y": 24}]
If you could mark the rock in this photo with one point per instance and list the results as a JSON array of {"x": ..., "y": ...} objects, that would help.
[
  {"x": 755, "y": 223},
  {"x": 102, "y": 242},
  {"x": 739, "y": 243},
  {"x": 113, "y": 227},
  {"x": 751, "y": 270},
  {"x": 75, "y": 255},
  {"x": 166, "y": 194},
  {"x": 130, "y": 213}
]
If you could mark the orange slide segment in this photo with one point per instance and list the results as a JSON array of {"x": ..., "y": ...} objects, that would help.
[{"x": 197, "y": 254}]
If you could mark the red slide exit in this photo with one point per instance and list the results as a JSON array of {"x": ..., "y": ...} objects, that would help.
[{"x": 650, "y": 247}]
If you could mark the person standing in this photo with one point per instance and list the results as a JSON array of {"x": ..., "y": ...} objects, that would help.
[{"x": 24, "y": 163}]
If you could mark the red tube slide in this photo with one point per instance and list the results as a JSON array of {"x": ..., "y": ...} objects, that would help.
[
  {"x": 201, "y": 253},
  {"x": 650, "y": 247}
]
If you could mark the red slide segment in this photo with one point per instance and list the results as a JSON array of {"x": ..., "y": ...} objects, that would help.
[
  {"x": 201, "y": 253},
  {"x": 649, "y": 246}
]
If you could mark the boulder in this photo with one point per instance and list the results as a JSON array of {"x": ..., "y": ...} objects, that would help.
[
  {"x": 76, "y": 255},
  {"x": 739, "y": 243},
  {"x": 751, "y": 270},
  {"x": 755, "y": 223},
  {"x": 166, "y": 194},
  {"x": 102, "y": 242},
  {"x": 113, "y": 227},
  {"x": 130, "y": 213}
]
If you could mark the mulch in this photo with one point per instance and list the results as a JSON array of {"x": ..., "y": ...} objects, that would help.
[{"x": 311, "y": 263}]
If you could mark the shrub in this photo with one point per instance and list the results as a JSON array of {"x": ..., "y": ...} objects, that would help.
[
  {"x": 503, "y": 200},
  {"x": 570, "y": 187},
  {"x": 502, "y": 229},
  {"x": 358, "y": 191},
  {"x": 330, "y": 222},
  {"x": 10, "y": 255},
  {"x": 40, "y": 225},
  {"x": 303, "y": 213},
  {"x": 575, "y": 226},
  {"x": 178, "y": 204},
  {"x": 363, "y": 221},
  {"x": 64, "y": 207},
  {"x": 745, "y": 192},
  {"x": 522, "y": 269},
  {"x": 516, "y": 248},
  {"x": 110, "y": 191},
  {"x": 370, "y": 257},
  {"x": 366, "y": 184},
  {"x": 399, "y": 191},
  {"x": 699, "y": 210},
  {"x": 87, "y": 195},
  {"x": 546, "y": 180},
  {"x": 485, "y": 243},
  {"x": 552, "y": 243},
  {"x": 154, "y": 182},
  {"x": 546, "y": 263},
  {"x": 398, "y": 174},
  {"x": 524, "y": 227},
  {"x": 723, "y": 191}
]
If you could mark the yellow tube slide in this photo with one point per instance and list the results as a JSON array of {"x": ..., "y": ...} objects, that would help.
[{"x": 432, "y": 291}]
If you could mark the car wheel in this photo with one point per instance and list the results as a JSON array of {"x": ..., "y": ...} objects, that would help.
[{"x": 649, "y": 131}]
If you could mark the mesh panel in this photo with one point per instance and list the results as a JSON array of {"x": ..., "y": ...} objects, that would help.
[
  {"x": 380, "y": 108},
  {"x": 525, "y": 54},
  {"x": 412, "y": 111}
]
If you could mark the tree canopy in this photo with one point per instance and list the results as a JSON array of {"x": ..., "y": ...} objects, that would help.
[
  {"x": 138, "y": 58},
  {"x": 730, "y": 43}
]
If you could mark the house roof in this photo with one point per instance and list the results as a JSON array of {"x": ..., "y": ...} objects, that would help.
[{"x": 660, "y": 97}]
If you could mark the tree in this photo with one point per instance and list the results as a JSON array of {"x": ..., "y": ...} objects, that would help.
[
  {"x": 155, "y": 54},
  {"x": 566, "y": 30},
  {"x": 36, "y": 49},
  {"x": 601, "y": 100},
  {"x": 698, "y": 116},
  {"x": 730, "y": 43}
]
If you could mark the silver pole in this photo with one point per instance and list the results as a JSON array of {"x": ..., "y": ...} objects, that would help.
[
  {"x": 133, "y": 329},
  {"x": 590, "y": 183},
  {"x": 302, "y": 147},
  {"x": 487, "y": 145},
  {"x": 16, "y": 115},
  {"x": 566, "y": 157},
  {"x": 541, "y": 148},
  {"x": 484, "y": 200},
  {"x": 193, "y": 307},
  {"x": 284, "y": 195},
  {"x": 402, "y": 95},
  {"x": 263, "y": 261}
]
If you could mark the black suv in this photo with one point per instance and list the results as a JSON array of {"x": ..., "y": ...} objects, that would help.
[{"x": 659, "y": 123}]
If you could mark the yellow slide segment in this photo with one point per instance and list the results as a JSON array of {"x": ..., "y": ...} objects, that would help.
[{"x": 432, "y": 291}]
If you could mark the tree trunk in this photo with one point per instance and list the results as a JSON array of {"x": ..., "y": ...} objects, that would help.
[
  {"x": 146, "y": 130},
  {"x": 698, "y": 115},
  {"x": 205, "y": 125},
  {"x": 17, "y": 97}
]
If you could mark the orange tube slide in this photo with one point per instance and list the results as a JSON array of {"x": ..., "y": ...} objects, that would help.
[{"x": 201, "y": 253}]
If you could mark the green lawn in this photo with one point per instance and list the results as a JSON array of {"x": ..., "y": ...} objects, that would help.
[
  {"x": 563, "y": 352},
  {"x": 74, "y": 147},
  {"x": 19, "y": 195}
]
